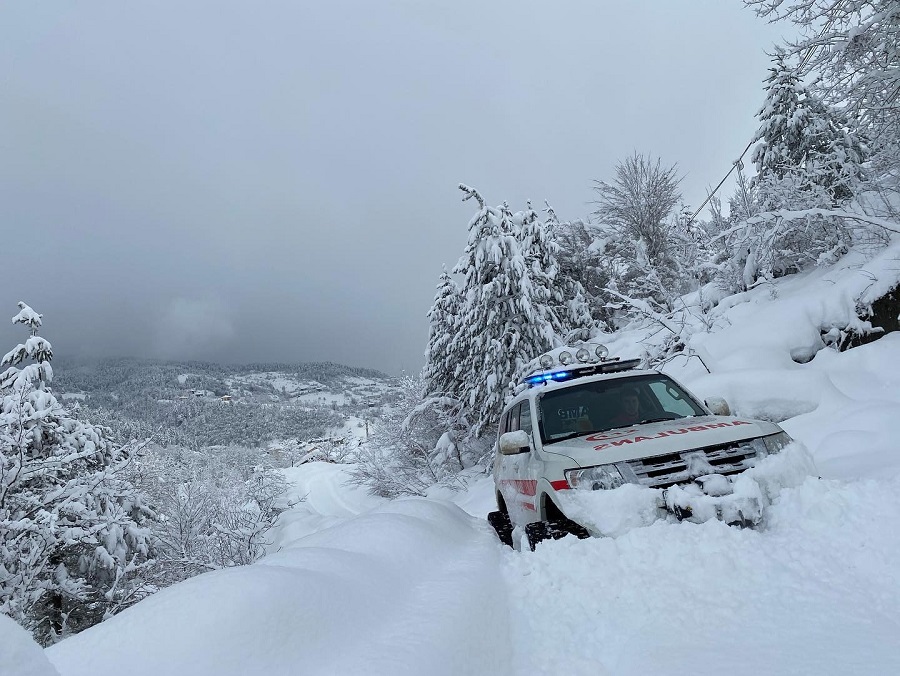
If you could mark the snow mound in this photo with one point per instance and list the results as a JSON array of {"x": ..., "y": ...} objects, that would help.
[
  {"x": 816, "y": 592},
  {"x": 320, "y": 496},
  {"x": 615, "y": 512},
  {"x": 19, "y": 654},
  {"x": 390, "y": 592}
]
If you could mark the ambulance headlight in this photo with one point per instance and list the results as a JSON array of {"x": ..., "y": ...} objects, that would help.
[
  {"x": 602, "y": 477},
  {"x": 776, "y": 442},
  {"x": 583, "y": 355},
  {"x": 565, "y": 358},
  {"x": 602, "y": 352}
]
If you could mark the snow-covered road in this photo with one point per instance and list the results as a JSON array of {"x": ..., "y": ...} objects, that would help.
[
  {"x": 414, "y": 587},
  {"x": 818, "y": 592}
]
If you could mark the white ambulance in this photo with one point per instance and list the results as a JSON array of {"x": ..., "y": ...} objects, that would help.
[{"x": 585, "y": 421}]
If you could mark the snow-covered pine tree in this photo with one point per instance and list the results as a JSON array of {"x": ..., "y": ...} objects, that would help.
[
  {"x": 801, "y": 137},
  {"x": 852, "y": 47},
  {"x": 583, "y": 260},
  {"x": 554, "y": 298},
  {"x": 72, "y": 539},
  {"x": 500, "y": 329},
  {"x": 439, "y": 358},
  {"x": 806, "y": 161},
  {"x": 849, "y": 55},
  {"x": 568, "y": 298}
]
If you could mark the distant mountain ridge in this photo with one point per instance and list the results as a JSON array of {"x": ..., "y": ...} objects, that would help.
[
  {"x": 319, "y": 370},
  {"x": 198, "y": 403}
]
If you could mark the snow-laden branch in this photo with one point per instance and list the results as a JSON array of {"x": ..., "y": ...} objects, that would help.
[
  {"x": 797, "y": 214},
  {"x": 472, "y": 193},
  {"x": 644, "y": 308}
]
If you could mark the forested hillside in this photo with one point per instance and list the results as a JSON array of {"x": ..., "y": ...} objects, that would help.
[{"x": 198, "y": 404}]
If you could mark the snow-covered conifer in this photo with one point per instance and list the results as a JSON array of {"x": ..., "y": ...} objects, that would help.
[
  {"x": 72, "y": 538},
  {"x": 500, "y": 328},
  {"x": 801, "y": 137},
  {"x": 568, "y": 293},
  {"x": 439, "y": 357},
  {"x": 559, "y": 300},
  {"x": 807, "y": 161}
]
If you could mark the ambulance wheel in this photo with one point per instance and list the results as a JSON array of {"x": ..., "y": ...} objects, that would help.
[{"x": 502, "y": 526}]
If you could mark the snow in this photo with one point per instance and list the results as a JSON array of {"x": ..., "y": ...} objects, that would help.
[
  {"x": 388, "y": 592},
  {"x": 66, "y": 396},
  {"x": 853, "y": 433},
  {"x": 321, "y": 498},
  {"x": 816, "y": 592},
  {"x": 19, "y": 654}
]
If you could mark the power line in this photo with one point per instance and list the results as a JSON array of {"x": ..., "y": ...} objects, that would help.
[
  {"x": 725, "y": 178},
  {"x": 806, "y": 58}
]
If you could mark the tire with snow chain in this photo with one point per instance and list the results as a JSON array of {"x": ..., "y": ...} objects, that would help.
[
  {"x": 553, "y": 530},
  {"x": 502, "y": 526}
]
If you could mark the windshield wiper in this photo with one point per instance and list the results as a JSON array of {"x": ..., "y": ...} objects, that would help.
[
  {"x": 659, "y": 419},
  {"x": 570, "y": 435}
]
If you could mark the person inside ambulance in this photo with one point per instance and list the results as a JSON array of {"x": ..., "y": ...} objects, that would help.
[{"x": 629, "y": 409}]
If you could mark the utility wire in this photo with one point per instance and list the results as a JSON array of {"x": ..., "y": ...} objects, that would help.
[
  {"x": 734, "y": 166},
  {"x": 738, "y": 164}
]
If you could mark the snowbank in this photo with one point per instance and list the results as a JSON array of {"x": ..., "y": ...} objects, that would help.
[
  {"x": 19, "y": 654},
  {"x": 320, "y": 497},
  {"x": 817, "y": 592},
  {"x": 413, "y": 587}
]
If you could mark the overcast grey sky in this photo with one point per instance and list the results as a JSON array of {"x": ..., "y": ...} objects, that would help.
[{"x": 276, "y": 180}]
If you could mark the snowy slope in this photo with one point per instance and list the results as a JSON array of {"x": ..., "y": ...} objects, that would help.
[
  {"x": 413, "y": 587},
  {"x": 19, "y": 654}
]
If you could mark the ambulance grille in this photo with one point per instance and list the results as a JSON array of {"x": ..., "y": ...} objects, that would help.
[{"x": 662, "y": 471}]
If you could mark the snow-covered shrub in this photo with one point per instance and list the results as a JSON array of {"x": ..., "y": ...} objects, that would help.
[
  {"x": 421, "y": 442},
  {"x": 215, "y": 507},
  {"x": 74, "y": 539}
]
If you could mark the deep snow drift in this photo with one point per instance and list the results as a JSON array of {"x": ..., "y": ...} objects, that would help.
[
  {"x": 419, "y": 586},
  {"x": 413, "y": 587},
  {"x": 816, "y": 592}
]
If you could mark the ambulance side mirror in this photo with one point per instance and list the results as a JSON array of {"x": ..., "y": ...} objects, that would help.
[
  {"x": 512, "y": 443},
  {"x": 718, "y": 406}
]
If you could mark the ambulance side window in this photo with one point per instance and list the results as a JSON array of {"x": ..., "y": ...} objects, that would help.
[
  {"x": 525, "y": 417},
  {"x": 514, "y": 418}
]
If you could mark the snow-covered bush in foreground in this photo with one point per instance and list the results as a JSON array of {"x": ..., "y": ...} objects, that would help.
[
  {"x": 215, "y": 508},
  {"x": 73, "y": 537}
]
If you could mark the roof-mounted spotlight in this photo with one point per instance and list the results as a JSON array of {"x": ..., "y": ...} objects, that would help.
[
  {"x": 602, "y": 352},
  {"x": 583, "y": 355},
  {"x": 547, "y": 361},
  {"x": 565, "y": 358}
]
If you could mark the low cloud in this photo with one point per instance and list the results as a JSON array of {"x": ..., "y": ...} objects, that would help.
[{"x": 193, "y": 329}]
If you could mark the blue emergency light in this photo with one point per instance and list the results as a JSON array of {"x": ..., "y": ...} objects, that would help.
[
  {"x": 539, "y": 378},
  {"x": 611, "y": 366}
]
